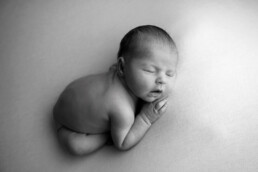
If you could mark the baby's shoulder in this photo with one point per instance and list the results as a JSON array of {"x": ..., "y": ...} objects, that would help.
[
  {"x": 120, "y": 100},
  {"x": 117, "y": 92}
]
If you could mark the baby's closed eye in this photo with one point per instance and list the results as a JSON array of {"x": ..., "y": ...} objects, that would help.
[
  {"x": 170, "y": 74},
  {"x": 149, "y": 70}
]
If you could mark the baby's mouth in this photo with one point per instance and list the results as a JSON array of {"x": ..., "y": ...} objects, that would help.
[{"x": 156, "y": 93}]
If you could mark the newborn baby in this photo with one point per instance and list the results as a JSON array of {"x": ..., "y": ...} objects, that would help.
[{"x": 94, "y": 107}]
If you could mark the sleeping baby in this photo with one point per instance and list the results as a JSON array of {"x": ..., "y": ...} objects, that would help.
[{"x": 125, "y": 101}]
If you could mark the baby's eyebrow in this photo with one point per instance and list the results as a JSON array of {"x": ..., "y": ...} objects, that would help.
[
  {"x": 147, "y": 65},
  {"x": 172, "y": 71}
]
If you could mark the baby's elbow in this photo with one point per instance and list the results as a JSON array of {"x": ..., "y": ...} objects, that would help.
[
  {"x": 124, "y": 146},
  {"x": 126, "y": 143}
]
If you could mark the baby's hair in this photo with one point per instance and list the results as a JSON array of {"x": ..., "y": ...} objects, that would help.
[{"x": 127, "y": 44}]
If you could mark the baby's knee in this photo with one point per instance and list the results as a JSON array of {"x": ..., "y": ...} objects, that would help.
[
  {"x": 70, "y": 142},
  {"x": 75, "y": 147}
]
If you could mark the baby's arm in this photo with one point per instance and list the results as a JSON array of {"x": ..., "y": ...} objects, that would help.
[{"x": 127, "y": 132}]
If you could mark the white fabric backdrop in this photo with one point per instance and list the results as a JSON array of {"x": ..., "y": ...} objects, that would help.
[{"x": 212, "y": 121}]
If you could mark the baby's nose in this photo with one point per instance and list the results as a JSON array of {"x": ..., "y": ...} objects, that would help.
[{"x": 160, "y": 80}]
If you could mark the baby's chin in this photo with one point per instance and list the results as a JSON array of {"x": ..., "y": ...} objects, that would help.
[{"x": 150, "y": 99}]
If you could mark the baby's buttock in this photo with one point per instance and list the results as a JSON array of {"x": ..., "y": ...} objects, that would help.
[
  {"x": 90, "y": 116},
  {"x": 83, "y": 105}
]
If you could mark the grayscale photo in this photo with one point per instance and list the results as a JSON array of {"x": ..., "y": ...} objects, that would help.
[{"x": 128, "y": 86}]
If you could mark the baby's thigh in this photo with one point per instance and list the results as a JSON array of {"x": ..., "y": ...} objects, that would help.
[
  {"x": 64, "y": 135},
  {"x": 80, "y": 143}
]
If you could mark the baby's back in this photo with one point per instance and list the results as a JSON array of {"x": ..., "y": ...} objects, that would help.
[{"x": 83, "y": 104}]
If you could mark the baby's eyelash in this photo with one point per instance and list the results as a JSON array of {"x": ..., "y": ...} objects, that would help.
[
  {"x": 150, "y": 71},
  {"x": 170, "y": 74}
]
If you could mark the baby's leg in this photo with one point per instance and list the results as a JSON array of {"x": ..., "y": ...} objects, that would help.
[{"x": 79, "y": 143}]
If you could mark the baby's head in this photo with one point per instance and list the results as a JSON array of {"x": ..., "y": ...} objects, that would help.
[{"x": 147, "y": 60}]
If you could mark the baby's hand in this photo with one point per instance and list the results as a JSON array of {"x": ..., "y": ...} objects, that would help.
[{"x": 154, "y": 110}]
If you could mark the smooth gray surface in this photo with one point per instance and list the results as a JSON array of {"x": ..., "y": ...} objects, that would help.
[{"x": 212, "y": 121}]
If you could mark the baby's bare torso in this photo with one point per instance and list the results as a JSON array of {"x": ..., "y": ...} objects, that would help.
[{"x": 85, "y": 105}]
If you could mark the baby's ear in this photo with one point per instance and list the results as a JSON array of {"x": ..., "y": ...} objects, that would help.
[{"x": 120, "y": 66}]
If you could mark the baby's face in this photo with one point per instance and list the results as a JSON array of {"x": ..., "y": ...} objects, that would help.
[{"x": 151, "y": 73}]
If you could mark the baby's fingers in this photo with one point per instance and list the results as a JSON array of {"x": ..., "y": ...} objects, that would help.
[
  {"x": 160, "y": 104},
  {"x": 163, "y": 109}
]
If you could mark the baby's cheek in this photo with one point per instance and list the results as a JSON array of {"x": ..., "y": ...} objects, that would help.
[
  {"x": 146, "y": 81},
  {"x": 169, "y": 89},
  {"x": 166, "y": 93},
  {"x": 141, "y": 85}
]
